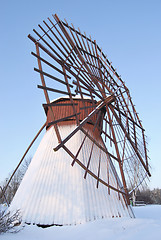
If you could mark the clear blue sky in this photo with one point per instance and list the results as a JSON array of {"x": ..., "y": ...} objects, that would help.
[{"x": 129, "y": 32}]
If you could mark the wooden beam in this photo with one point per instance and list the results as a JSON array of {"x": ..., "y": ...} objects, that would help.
[
  {"x": 53, "y": 90},
  {"x": 131, "y": 142},
  {"x": 62, "y": 119},
  {"x": 91, "y": 173},
  {"x": 46, "y": 93},
  {"x": 52, "y": 77}
]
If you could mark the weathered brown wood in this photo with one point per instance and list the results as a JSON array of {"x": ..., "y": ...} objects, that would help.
[
  {"x": 75, "y": 31},
  {"x": 52, "y": 77},
  {"x": 93, "y": 91},
  {"x": 106, "y": 135},
  {"x": 49, "y": 64},
  {"x": 45, "y": 92},
  {"x": 53, "y": 50},
  {"x": 62, "y": 119},
  {"x": 86, "y": 171},
  {"x": 104, "y": 149},
  {"x": 51, "y": 39},
  {"x": 82, "y": 98},
  {"x": 75, "y": 158},
  {"x": 91, "y": 173},
  {"x": 135, "y": 135},
  {"x": 75, "y": 57},
  {"x": 118, "y": 156},
  {"x": 93, "y": 106},
  {"x": 86, "y": 55},
  {"x": 54, "y": 25},
  {"x": 48, "y": 52},
  {"x": 89, "y": 50},
  {"x": 59, "y": 104},
  {"x": 92, "y": 42},
  {"x": 67, "y": 67},
  {"x": 145, "y": 150},
  {"x": 108, "y": 101},
  {"x": 99, "y": 166},
  {"x": 70, "y": 95},
  {"x": 53, "y": 90},
  {"x": 119, "y": 111},
  {"x": 131, "y": 142},
  {"x": 95, "y": 77},
  {"x": 96, "y": 123},
  {"x": 114, "y": 138},
  {"x": 76, "y": 50}
]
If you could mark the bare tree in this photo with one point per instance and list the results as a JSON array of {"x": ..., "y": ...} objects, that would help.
[
  {"x": 8, "y": 222},
  {"x": 149, "y": 196},
  {"x": 15, "y": 182}
]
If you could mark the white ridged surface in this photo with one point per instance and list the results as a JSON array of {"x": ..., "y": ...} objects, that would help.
[{"x": 54, "y": 192}]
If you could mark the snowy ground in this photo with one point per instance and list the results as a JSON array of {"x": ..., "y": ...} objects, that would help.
[{"x": 146, "y": 225}]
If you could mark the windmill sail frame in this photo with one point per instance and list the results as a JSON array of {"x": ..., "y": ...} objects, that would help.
[{"x": 97, "y": 102}]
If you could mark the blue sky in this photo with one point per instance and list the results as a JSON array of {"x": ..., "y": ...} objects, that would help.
[{"x": 128, "y": 32}]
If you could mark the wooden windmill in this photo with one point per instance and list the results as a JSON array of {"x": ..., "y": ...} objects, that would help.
[{"x": 94, "y": 145}]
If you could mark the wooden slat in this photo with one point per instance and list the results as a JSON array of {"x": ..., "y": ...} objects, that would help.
[
  {"x": 127, "y": 117},
  {"x": 75, "y": 158},
  {"x": 85, "y": 175},
  {"x": 96, "y": 122},
  {"x": 52, "y": 77},
  {"x": 70, "y": 95},
  {"x": 106, "y": 135},
  {"x": 93, "y": 106},
  {"x": 53, "y": 90},
  {"x": 49, "y": 45},
  {"x": 49, "y": 64},
  {"x": 88, "y": 89},
  {"x": 131, "y": 142},
  {"x": 59, "y": 104},
  {"x": 62, "y": 119},
  {"x": 99, "y": 166},
  {"x": 51, "y": 39},
  {"x": 92, "y": 174},
  {"x": 46, "y": 93},
  {"x": 48, "y": 52}
]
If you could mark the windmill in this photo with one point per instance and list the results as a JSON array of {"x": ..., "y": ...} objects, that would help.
[{"x": 94, "y": 147}]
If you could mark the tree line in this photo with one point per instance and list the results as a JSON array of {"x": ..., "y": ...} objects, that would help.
[{"x": 149, "y": 196}]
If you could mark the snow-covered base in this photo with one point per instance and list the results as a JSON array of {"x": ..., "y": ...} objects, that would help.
[
  {"x": 54, "y": 192},
  {"x": 146, "y": 225}
]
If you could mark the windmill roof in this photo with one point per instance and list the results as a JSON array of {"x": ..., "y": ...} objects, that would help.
[{"x": 67, "y": 97}]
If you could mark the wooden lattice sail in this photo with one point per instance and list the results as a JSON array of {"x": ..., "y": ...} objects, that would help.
[{"x": 94, "y": 149}]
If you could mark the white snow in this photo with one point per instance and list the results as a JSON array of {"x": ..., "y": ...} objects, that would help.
[
  {"x": 78, "y": 96},
  {"x": 146, "y": 225}
]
